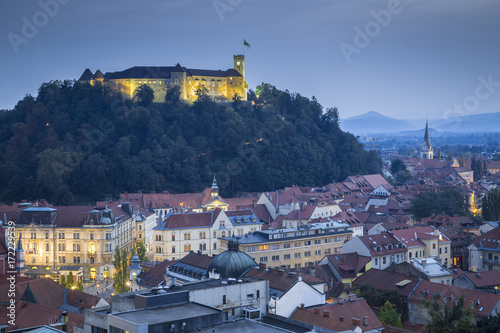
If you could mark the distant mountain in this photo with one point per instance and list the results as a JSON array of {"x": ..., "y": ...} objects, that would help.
[
  {"x": 374, "y": 122},
  {"x": 484, "y": 122}
]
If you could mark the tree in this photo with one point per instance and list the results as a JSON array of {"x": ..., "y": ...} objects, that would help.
[
  {"x": 445, "y": 318},
  {"x": 377, "y": 299},
  {"x": 54, "y": 169},
  {"x": 63, "y": 280},
  {"x": 490, "y": 324},
  {"x": 144, "y": 95},
  {"x": 120, "y": 277},
  {"x": 173, "y": 94},
  {"x": 397, "y": 165},
  {"x": 491, "y": 205},
  {"x": 140, "y": 249},
  {"x": 402, "y": 176},
  {"x": 70, "y": 280},
  {"x": 79, "y": 286},
  {"x": 389, "y": 316}
]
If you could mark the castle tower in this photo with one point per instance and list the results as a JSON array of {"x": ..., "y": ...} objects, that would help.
[
  {"x": 426, "y": 151},
  {"x": 239, "y": 64}
]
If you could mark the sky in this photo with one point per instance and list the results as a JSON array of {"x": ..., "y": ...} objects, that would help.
[{"x": 406, "y": 59}]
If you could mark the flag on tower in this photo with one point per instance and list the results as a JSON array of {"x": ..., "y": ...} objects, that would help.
[{"x": 245, "y": 43}]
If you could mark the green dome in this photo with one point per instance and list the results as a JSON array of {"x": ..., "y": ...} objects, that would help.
[{"x": 231, "y": 263}]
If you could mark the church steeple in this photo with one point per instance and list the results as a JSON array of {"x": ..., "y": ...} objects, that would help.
[
  {"x": 215, "y": 189},
  {"x": 426, "y": 151},
  {"x": 19, "y": 257}
]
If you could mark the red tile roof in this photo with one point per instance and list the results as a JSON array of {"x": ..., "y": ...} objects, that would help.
[
  {"x": 388, "y": 280},
  {"x": 483, "y": 303},
  {"x": 344, "y": 263},
  {"x": 320, "y": 320},
  {"x": 31, "y": 315},
  {"x": 384, "y": 240},
  {"x": 357, "y": 309},
  {"x": 191, "y": 220},
  {"x": 280, "y": 280}
]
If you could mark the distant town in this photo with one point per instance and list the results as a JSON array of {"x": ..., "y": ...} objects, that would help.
[{"x": 372, "y": 253}]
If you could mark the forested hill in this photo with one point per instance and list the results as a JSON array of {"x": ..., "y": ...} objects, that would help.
[{"x": 80, "y": 141}]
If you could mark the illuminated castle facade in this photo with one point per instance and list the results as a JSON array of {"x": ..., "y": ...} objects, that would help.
[{"x": 221, "y": 85}]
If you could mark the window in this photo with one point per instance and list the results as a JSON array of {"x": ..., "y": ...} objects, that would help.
[
  {"x": 286, "y": 245},
  {"x": 328, "y": 251},
  {"x": 337, "y": 239},
  {"x": 187, "y": 247},
  {"x": 376, "y": 261},
  {"x": 286, "y": 256},
  {"x": 91, "y": 235},
  {"x": 446, "y": 249},
  {"x": 389, "y": 247},
  {"x": 173, "y": 237},
  {"x": 74, "y": 247},
  {"x": 203, "y": 246},
  {"x": 275, "y": 247},
  {"x": 223, "y": 234},
  {"x": 76, "y": 260},
  {"x": 46, "y": 235},
  {"x": 420, "y": 310},
  {"x": 440, "y": 250},
  {"x": 317, "y": 252},
  {"x": 158, "y": 238},
  {"x": 47, "y": 259},
  {"x": 306, "y": 243},
  {"x": 317, "y": 241},
  {"x": 328, "y": 240},
  {"x": 47, "y": 247},
  {"x": 297, "y": 255},
  {"x": 434, "y": 246},
  {"x": 203, "y": 235},
  {"x": 223, "y": 299},
  {"x": 215, "y": 234},
  {"x": 383, "y": 260},
  {"x": 275, "y": 258},
  {"x": 263, "y": 248},
  {"x": 33, "y": 235},
  {"x": 297, "y": 244},
  {"x": 307, "y": 253},
  {"x": 108, "y": 235},
  {"x": 61, "y": 235},
  {"x": 229, "y": 233},
  {"x": 263, "y": 259},
  {"x": 250, "y": 296},
  {"x": 91, "y": 260},
  {"x": 76, "y": 235},
  {"x": 215, "y": 246},
  {"x": 251, "y": 249},
  {"x": 173, "y": 249},
  {"x": 338, "y": 250}
]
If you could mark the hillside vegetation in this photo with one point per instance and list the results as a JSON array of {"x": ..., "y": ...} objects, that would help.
[{"x": 80, "y": 141}]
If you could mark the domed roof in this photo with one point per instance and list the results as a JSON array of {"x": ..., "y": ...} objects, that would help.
[{"x": 232, "y": 263}]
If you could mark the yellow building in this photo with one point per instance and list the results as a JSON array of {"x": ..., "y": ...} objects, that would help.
[
  {"x": 72, "y": 237},
  {"x": 294, "y": 248},
  {"x": 221, "y": 85}
]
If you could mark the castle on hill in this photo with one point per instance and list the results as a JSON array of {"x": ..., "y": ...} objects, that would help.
[{"x": 221, "y": 85}]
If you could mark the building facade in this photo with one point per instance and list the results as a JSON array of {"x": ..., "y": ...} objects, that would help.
[
  {"x": 74, "y": 236},
  {"x": 294, "y": 248},
  {"x": 219, "y": 84}
]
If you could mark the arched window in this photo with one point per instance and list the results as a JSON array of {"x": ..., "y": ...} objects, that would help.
[{"x": 223, "y": 234}]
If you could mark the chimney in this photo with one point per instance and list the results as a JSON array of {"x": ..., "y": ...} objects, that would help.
[
  {"x": 352, "y": 298},
  {"x": 341, "y": 300},
  {"x": 302, "y": 306},
  {"x": 341, "y": 319},
  {"x": 281, "y": 272},
  {"x": 326, "y": 313},
  {"x": 254, "y": 203},
  {"x": 356, "y": 321},
  {"x": 365, "y": 320},
  {"x": 316, "y": 311},
  {"x": 270, "y": 269},
  {"x": 262, "y": 265},
  {"x": 64, "y": 321}
]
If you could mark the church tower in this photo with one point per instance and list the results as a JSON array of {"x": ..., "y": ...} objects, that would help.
[
  {"x": 214, "y": 193},
  {"x": 426, "y": 151}
]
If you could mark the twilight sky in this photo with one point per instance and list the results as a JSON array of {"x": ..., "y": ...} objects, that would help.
[{"x": 405, "y": 59}]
